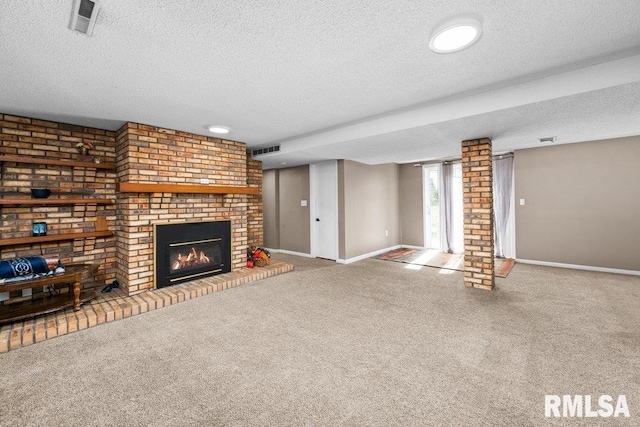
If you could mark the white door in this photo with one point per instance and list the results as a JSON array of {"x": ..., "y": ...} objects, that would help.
[{"x": 324, "y": 212}]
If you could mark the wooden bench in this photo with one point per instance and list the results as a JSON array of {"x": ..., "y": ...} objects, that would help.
[{"x": 73, "y": 275}]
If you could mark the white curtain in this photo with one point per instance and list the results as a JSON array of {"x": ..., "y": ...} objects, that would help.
[
  {"x": 452, "y": 204},
  {"x": 502, "y": 188}
]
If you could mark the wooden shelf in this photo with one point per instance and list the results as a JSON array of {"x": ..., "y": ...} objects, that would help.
[
  {"x": 53, "y": 238},
  {"x": 132, "y": 187},
  {"x": 27, "y": 309},
  {"x": 17, "y": 201},
  {"x": 56, "y": 162}
]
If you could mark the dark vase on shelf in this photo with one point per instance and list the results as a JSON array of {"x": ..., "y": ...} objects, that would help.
[{"x": 40, "y": 193}]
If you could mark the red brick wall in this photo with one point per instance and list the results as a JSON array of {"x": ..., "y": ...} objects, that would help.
[
  {"x": 28, "y": 137},
  {"x": 147, "y": 154},
  {"x": 477, "y": 182}
]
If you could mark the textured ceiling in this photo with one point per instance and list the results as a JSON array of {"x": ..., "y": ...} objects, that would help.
[{"x": 330, "y": 79}]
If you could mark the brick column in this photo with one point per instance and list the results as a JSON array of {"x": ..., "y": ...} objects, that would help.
[
  {"x": 255, "y": 207},
  {"x": 477, "y": 182}
]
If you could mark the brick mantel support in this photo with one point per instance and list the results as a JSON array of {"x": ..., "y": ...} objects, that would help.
[{"x": 477, "y": 183}]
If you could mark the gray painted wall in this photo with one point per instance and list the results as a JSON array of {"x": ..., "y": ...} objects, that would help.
[
  {"x": 270, "y": 201},
  {"x": 368, "y": 207},
  {"x": 582, "y": 203},
  {"x": 294, "y": 224},
  {"x": 411, "y": 206}
]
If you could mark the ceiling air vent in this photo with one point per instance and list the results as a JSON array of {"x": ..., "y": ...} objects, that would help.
[
  {"x": 547, "y": 139},
  {"x": 265, "y": 150},
  {"x": 83, "y": 16}
]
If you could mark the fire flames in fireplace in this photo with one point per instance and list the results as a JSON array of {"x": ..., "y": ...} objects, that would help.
[{"x": 191, "y": 259}]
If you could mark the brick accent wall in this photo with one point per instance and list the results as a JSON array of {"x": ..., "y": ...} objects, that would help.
[
  {"x": 23, "y": 136},
  {"x": 477, "y": 182},
  {"x": 147, "y": 154}
]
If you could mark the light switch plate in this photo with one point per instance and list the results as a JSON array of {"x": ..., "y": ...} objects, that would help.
[
  {"x": 303, "y": 203},
  {"x": 521, "y": 202}
]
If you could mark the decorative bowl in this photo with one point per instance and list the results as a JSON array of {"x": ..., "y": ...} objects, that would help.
[{"x": 40, "y": 193}]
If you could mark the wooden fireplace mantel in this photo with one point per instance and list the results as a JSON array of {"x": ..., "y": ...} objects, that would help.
[{"x": 133, "y": 187}]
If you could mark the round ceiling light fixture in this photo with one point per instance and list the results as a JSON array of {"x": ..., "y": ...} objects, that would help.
[
  {"x": 219, "y": 129},
  {"x": 455, "y": 34}
]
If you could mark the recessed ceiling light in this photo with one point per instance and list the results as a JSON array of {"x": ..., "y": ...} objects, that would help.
[
  {"x": 219, "y": 129},
  {"x": 455, "y": 34}
]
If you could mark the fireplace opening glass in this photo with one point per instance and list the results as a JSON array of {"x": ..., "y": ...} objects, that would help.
[{"x": 191, "y": 251}]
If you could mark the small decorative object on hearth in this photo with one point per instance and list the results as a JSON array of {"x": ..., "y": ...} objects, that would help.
[
  {"x": 249, "y": 257},
  {"x": 114, "y": 285},
  {"x": 259, "y": 256},
  {"x": 84, "y": 147}
]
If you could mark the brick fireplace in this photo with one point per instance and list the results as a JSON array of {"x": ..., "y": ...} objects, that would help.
[
  {"x": 142, "y": 155},
  {"x": 173, "y": 159}
]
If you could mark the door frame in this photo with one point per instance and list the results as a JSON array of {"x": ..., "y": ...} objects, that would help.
[{"x": 313, "y": 195}]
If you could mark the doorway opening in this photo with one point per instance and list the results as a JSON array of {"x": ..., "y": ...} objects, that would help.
[
  {"x": 443, "y": 207},
  {"x": 324, "y": 210}
]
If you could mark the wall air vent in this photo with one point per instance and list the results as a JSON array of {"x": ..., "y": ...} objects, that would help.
[
  {"x": 83, "y": 16},
  {"x": 265, "y": 150}
]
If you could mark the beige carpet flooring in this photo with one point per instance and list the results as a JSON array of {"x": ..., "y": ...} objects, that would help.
[{"x": 370, "y": 343}]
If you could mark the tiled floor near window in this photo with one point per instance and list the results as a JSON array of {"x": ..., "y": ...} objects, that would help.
[{"x": 117, "y": 305}]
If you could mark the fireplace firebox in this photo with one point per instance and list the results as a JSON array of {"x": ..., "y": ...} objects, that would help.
[{"x": 191, "y": 250}]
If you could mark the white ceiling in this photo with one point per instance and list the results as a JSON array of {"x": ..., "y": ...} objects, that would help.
[{"x": 331, "y": 79}]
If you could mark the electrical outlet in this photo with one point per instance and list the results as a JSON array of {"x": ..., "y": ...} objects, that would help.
[
  {"x": 521, "y": 202},
  {"x": 386, "y": 233}
]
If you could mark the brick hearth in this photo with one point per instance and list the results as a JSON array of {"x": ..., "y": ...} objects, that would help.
[{"x": 118, "y": 305}]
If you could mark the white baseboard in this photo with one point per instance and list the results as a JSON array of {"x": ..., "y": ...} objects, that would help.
[
  {"x": 349, "y": 260},
  {"x": 579, "y": 267},
  {"x": 369, "y": 255},
  {"x": 284, "y": 251}
]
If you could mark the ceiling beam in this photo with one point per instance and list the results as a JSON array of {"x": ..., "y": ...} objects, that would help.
[{"x": 591, "y": 78}]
